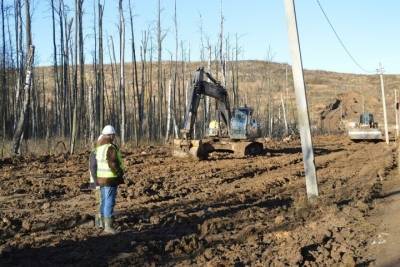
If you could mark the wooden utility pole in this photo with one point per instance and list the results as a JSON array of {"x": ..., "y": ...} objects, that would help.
[
  {"x": 122, "y": 70},
  {"x": 380, "y": 72},
  {"x": 301, "y": 101},
  {"x": 396, "y": 111}
]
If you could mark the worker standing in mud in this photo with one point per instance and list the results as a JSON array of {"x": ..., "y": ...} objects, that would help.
[
  {"x": 98, "y": 221},
  {"x": 110, "y": 173}
]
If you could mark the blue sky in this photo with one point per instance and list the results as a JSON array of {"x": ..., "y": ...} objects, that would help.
[{"x": 368, "y": 28}]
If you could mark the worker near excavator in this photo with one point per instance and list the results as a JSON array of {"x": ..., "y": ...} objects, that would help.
[
  {"x": 110, "y": 171},
  {"x": 93, "y": 185}
]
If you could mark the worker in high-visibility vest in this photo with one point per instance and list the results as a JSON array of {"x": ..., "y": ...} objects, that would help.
[
  {"x": 98, "y": 219},
  {"x": 110, "y": 171}
]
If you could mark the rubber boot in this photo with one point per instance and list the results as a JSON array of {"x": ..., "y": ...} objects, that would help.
[
  {"x": 98, "y": 218},
  {"x": 98, "y": 221},
  {"x": 108, "y": 228}
]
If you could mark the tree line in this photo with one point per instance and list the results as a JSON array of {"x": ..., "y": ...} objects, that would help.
[{"x": 145, "y": 99}]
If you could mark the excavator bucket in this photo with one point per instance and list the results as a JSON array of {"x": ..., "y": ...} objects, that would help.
[
  {"x": 183, "y": 148},
  {"x": 367, "y": 134}
]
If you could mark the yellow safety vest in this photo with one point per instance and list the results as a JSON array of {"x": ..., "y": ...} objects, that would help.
[
  {"x": 214, "y": 124},
  {"x": 103, "y": 170}
]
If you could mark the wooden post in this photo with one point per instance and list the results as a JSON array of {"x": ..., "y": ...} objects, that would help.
[
  {"x": 301, "y": 101},
  {"x": 398, "y": 148},
  {"x": 122, "y": 72},
  {"x": 380, "y": 71},
  {"x": 396, "y": 111}
]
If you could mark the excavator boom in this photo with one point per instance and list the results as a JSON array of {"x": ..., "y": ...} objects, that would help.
[{"x": 212, "y": 89}]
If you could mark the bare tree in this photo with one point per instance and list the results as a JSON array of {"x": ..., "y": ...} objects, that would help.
[
  {"x": 18, "y": 135},
  {"x": 284, "y": 115},
  {"x": 81, "y": 66},
  {"x": 235, "y": 73},
  {"x": 122, "y": 70},
  {"x": 143, "y": 52},
  {"x": 160, "y": 38},
  {"x": 138, "y": 93},
  {"x": 95, "y": 117},
  {"x": 55, "y": 71},
  {"x": 169, "y": 109},
  {"x": 101, "y": 67},
  {"x": 28, "y": 24},
  {"x": 221, "y": 54},
  {"x": 114, "y": 108},
  {"x": 3, "y": 75},
  {"x": 91, "y": 115},
  {"x": 18, "y": 49},
  {"x": 78, "y": 43},
  {"x": 173, "y": 104}
]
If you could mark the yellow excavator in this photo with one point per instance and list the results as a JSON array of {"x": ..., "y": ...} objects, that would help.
[{"x": 238, "y": 135}]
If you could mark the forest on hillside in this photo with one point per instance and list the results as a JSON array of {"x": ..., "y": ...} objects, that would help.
[
  {"x": 128, "y": 82},
  {"x": 144, "y": 96}
]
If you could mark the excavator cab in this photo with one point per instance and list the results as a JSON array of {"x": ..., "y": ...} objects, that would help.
[
  {"x": 243, "y": 126},
  {"x": 367, "y": 120}
]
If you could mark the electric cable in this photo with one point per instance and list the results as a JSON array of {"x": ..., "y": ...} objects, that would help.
[{"x": 340, "y": 40}]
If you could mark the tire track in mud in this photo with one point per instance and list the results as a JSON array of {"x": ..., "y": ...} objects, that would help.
[{"x": 171, "y": 212}]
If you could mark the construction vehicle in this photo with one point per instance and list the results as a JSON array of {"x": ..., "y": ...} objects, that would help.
[
  {"x": 366, "y": 129},
  {"x": 236, "y": 134}
]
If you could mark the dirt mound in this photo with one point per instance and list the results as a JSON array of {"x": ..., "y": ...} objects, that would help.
[
  {"x": 347, "y": 107},
  {"x": 226, "y": 211}
]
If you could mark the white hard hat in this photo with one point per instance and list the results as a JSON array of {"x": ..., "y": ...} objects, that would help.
[{"x": 108, "y": 129}]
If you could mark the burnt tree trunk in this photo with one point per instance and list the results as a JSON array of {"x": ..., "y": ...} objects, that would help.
[
  {"x": 101, "y": 68},
  {"x": 17, "y": 138},
  {"x": 139, "y": 94}
]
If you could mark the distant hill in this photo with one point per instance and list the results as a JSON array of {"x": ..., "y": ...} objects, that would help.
[{"x": 334, "y": 98}]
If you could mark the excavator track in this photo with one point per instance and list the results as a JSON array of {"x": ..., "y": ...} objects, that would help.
[{"x": 200, "y": 149}]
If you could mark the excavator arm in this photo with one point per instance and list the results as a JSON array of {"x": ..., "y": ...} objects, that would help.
[
  {"x": 200, "y": 148},
  {"x": 212, "y": 89}
]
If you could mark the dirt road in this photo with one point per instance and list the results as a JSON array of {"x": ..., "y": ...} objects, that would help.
[
  {"x": 386, "y": 216},
  {"x": 179, "y": 212}
]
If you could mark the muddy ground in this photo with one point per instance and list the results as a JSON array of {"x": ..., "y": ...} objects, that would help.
[{"x": 180, "y": 212}]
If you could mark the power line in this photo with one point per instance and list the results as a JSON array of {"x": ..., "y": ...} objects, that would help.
[{"x": 340, "y": 40}]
